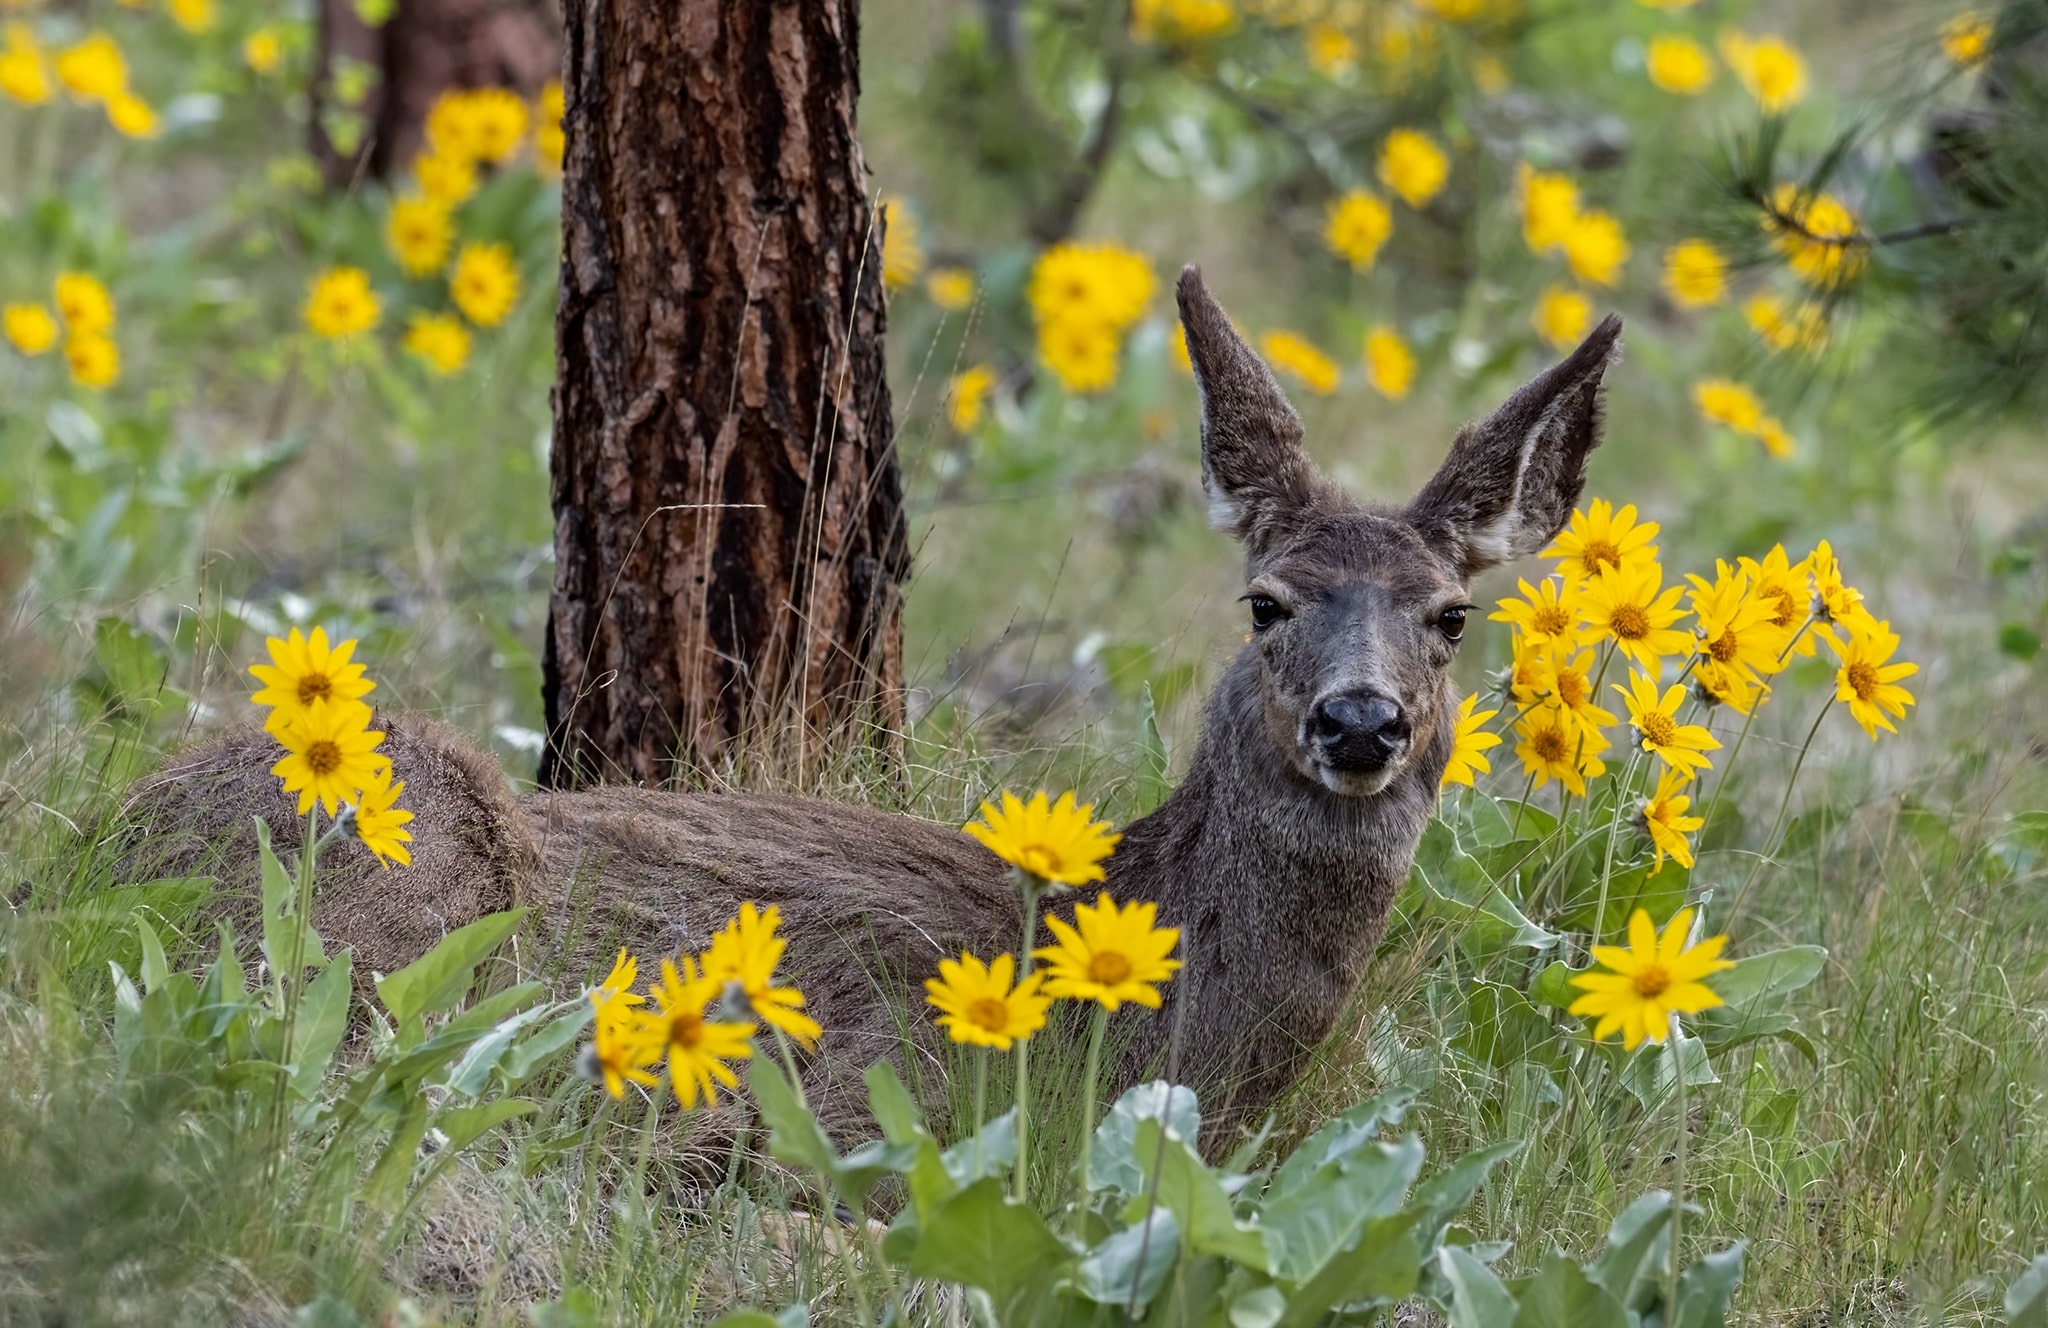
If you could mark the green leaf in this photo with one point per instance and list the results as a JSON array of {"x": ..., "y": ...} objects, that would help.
[
  {"x": 553, "y": 1038},
  {"x": 1561, "y": 1296},
  {"x": 1445, "y": 1195},
  {"x": 903, "y": 1126},
  {"x": 1260, "y": 1307},
  {"x": 1657, "y": 891},
  {"x": 1114, "y": 1163},
  {"x": 2026, "y": 1300},
  {"x": 465, "y": 1125},
  {"x": 1194, "y": 1194},
  {"x": 1381, "y": 1268},
  {"x": 1312, "y": 1222},
  {"x": 989, "y": 1153},
  {"x": 323, "y": 1022},
  {"x": 385, "y": 1189},
  {"x": 745, "y": 1319},
  {"x": 156, "y": 970},
  {"x": 439, "y": 979},
  {"x": 1478, "y": 1298},
  {"x": 1501, "y": 1028},
  {"x": 795, "y": 1136},
  {"x": 1105, "y": 1276},
  {"x": 1553, "y": 986},
  {"x": 1704, "y": 1289},
  {"x": 1635, "y": 1239},
  {"x": 1772, "y": 975},
  {"x": 2019, "y": 640},
  {"x": 1152, "y": 780},
  {"x": 981, "y": 1239},
  {"x": 282, "y": 928},
  {"x": 580, "y": 1308},
  {"x": 472, "y": 1074},
  {"x": 1648, "y": 1072},
  {"x": 1341, "y": 1136}
]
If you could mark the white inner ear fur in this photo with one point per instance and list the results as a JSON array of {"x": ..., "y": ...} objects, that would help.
[
  {"x": 1506, "y": 537},
  {"x": 1225, "y": 512}
]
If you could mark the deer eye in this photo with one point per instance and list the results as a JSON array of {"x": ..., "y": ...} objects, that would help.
[
  {"x": 1451, "y": 622},
  {"x": 1265, "y": 611}
]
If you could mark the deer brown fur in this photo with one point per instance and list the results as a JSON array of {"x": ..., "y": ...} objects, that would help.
[{"x": 1278, "y": 855}]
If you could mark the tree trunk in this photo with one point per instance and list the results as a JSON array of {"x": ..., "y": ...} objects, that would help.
[
  {"x": 729, "y": 540},
  {"x": 424, "y": 48}
]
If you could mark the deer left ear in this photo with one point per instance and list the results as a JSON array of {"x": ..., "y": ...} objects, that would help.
[{"x": 1511, "y": 481}]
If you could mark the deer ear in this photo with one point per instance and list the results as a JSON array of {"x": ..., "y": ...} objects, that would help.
[
  {"x": 1512, "y": 480},
  {"x": 1258, "y": 478}
]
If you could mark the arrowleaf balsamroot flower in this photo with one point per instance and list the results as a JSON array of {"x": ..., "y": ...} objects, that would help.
[
  {"x": 1769, "y": 68},
  {"x": 978, "y": 1006},
  {"x": 951, "y": 288},
  {"x": 1059, "y": 842},
  {"x": 1678, "y": 65},
  {"x": 330, "y": 754},
  {"x": 902, "y": 254},
  {"x": 1295, "y": 355},
  {"x": 1601, "y": 537},
  {"x": 1389, "y": 364},
  {"x": 1695, "y": 274},
  {"x": 1664, "y": 820},
  {"x": 303, "y": 672},
  {"x": 1554, "y": 745},
  {"x": 84, "y": 303},
  {"x": 1110, "y": 955},
  {"x": 1966, "y": 38},
  {"x": 1835, "y": 601},
  {"x": 1626, "y": 605},
  {"x": 1469, "y": 740},
  {"x": 1649, "y": 980},
  {"x": 1867, "y": 683},
  {"x": 94, "y": 359},
  {"x": 618, "y": 984},
  {"x": 1817, "y": 234},
  {"x": 1357, "y": 226},
  {"x": 967, "y": 397},
  {"x": 29, "y": 328},
  {"x": 420, "y": 233},
  {"x": 341, "y": 304},
  {"x": 1413, "y": 166},
  {"x": 23, "y": 77},
  {"x": 1595, "y": 247},
  {"x": 1547, "y": 613},
  {"x": 377, "y": 823},
  {"x": 440, "y": 341},
  {"x": 1679, "y": 746},
  {"x": 1787, "y": 589},
  {"x": 1567, "y": 680},
  {"x": 1736, "y": 628},
  {"x": 485, "y": 283},
  {"x": 743, "y": 955},
  {"x": 1550, "y": 204},
  {"x": 1562, "y": 317},
  {"x": 627, "y": 1042},
  {"x": 697, "y": 1048}
]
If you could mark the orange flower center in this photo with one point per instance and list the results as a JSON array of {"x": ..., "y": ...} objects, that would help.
[
  {"x": 1788, "y": 606},
  {"x": 1630, "y": 622},
  {"x": 1039, "y": 860},
  {"x": 686, "y": 1029},
  {"x": 1724, "y": 647},
  {"x": 1652, "y": 980},
  {"x": 1658, "y": 728},
  {"x": 1862, "y": 679},
  {"x": 1572, "y": 687},
  {"x": 1109, "y": 968},
  {"x": 323, "y": 758},
  {"x": 1551, "y": 619},
  {"x": 315, "y": 687},
  {"x": 990, "y": 1012},
  {"x": 1597, "y": 553},
  {"x": 1549, "y": 744}
]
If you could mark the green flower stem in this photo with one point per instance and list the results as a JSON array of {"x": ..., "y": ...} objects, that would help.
[
  {"x": 796, "y": 1081},
  {"x": 981, "y": 1057},
  {"x": 1021, "y": 1184},
  {"x": 1678, "y": 1172},
  {"x": 1088, "y": 1077},
  {"x": 638, "y": 1190},
  {"x": 1528, "y": 788},
  {"x": 1728, "y": 766},
  {"x": 1770, "y": 844},
  {"x": 291, "y": 982},
  {"x": 1628, "y": 775},
  {"x": 573, "y": 1264}
]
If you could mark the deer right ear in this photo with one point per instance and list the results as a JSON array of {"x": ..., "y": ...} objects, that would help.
[{"x": 1258, "y": 478}]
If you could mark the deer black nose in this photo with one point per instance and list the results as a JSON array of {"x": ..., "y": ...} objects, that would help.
[{"x": 1358, "y": 731}]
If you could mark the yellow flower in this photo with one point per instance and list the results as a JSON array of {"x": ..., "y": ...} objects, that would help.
[
  {"x": 480, "y": 124},
  {"x": 420, "y": 233},
  {"x": 1413, "y": 166},
  {"x": 84, "y": 303},
  {"x": 263, "y": 51},
  {"x": 1738, "y": 630},
  {"x": 1329, "y": 49},
  {"x": 1184, "y": 20},
  {"x": 330, "y": 753},
  {"x": 977, "y": 1005},
  {"x": 1679, "y": 64},
  {"x": 950, "y": 287},
  {"x": 1389, "y": 364},
  {"x": 1667, "y": 4},
  {"x": 697, "y": 1047},
  {"x": 23, "y": 77},
  {"x": 94, "y": 359},
  {"x": 1357, "y": 225},
  {"x": 1786, "y": 588},
  {"x": 1469, "y": 740},
  {"x": 1625, "y": 605},
  {"x": 29, "y": 328},
  {"x": 485, "y": 283},
  {"x": 743, "y": 955},
  {"x": 967, "y": 397},
  {"x": 1723, "y": 401},
  {"x": 1094, "y": 283},
  {"x": 1081, "y": 354},
  {"x": 439, "y": 339},
  {"x": 1663, "y": 819},
  {"x": 1295, "y": 355},
  {"x": 1553, "y": 745},
  {"x": 1562, "y": 317},
  {"x": 446, "y": 177},
  {"x": 1655, "y": 720},
  {"x": 902, "y": 255},
  {"x": 193, "y": 16},
  {"x": 304, "y": 671},
  {"x": 1818, "y": 236},
  {"x": 1566, "y": 680},
  {"x": 1550, "y": 208},
  {"x": 1774, "y": 437},
  {"x": 1695, "y": 274},
  {"x": 1524, "y": 679},
  {"x": 1601, "y": 537},
  {"x": 1716, "y": 684},
  {"x": 1834, "y": 601},
  {"x": 1454, "y": 11},
  {"x": 1805, "y": 328},
  {"x": 1110, "y": 955},
  {"x": 378, "y": 824},
  {"x": 131, "y": 116},
  {"x": 1054, "y": 841},
  {"x": 1966, "y": 39},
  {"x": 618, "y": 984},
  {"x": 1651, "y": 980},
  {"x": 93, "y": 70},
  {"x": 1595, "y": 247},
  {"x": 549, "y": 141},
  {"x": 1768, "y": 67},
  {"x": 625, "y": 1044},
  {"x": 1865, "y": 682},
  {"x": 341, "y": 303},
  {"x": 1547, "y": 613},
  {"x": 1181, "y": 359}
]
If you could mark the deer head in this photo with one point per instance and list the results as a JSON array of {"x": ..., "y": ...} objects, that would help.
[{"x": 1357, "y": 611}]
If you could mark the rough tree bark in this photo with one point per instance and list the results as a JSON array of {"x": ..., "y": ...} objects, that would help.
[
  {"x": 424, "y": 48},
  {"x": 729, "y": 535}
]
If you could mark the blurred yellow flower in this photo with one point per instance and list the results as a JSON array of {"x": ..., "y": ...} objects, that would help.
[
  {"x": 1454, "y": 11},
  {"x": 967, "y": 397},
  {"x": 1966, "y": 38},
  {"x": 979, "y": 1008},
  {"x": 549, "y": 139},
  {"x": 330, "y": 754},
  {"x": 84, "y": 303},
  {"x": 94, "y": 359},
  {"x": 1490, "y": 75},
  {"x": 378, "y": 824},
  {"x": 1776, "y": 439},
  {"x": 1562, "y": 316},
  {"x": 1110, "y": 955},
  {"x": 1652, "y": 980},
  {"x": 29, "y": 328},
  {"x": 131, "y": 116},
  {"x": 93, "y": 70},
  {"x": 1080, "y": 353},
  {"x": 192, "y": 15},
  {"x": 263, "y": 51},
  {"x": 1866, "y": 682},
  {"x": 1595, "y": 247},
  {"x": 1550, "y": 207},
  {"x": 1625, "y": 604},
  {"x": 1695, "y": 274},
  {"x": 1817, "y": 234},
  {"x": 303, "y": 671},
  {"x": 1329, "y": 49},
  {"x": 1672, "y": 5},
  {"x": 951, "y": 288},
  {"x": 1357, "y": 224},
  {"x": 1179, "y": 350},
  {"x": 420, "y": 234},
  {"x": 477, "y": 124},
  {"x": 1682, "y": 747},
  {"x": 1185, "y": 20},
  {"x": 446, "y": 177},
  {"x": 1090, "y": 283},
  {"x": 1058, "y": 842},
  {"x": 440, "y": 340},
  {"x": 1805, "y": 327},
  {"x": 1662, "y": 817},
  {"x": 902, "y": 255},
  {"x": 1413, "y": 166},
  {"x": 626, "y": 1042},
  {"x": 1724, "y": 401},
  {"x": 1297, "y": 357},
  {"x": 1552, "y": 745},
  {"x": 341, "y": 303},
  {"x": 1469, "y": 741},
  {"x": 485, "y": 283},
  {"x": 1599, "y": 536},
  {"x": 697, "y": 1047},
  {"x": 1768, "y": 67},
  {"x": 1679, "y": 64},
  {"x": 743, "y": 956},
  {"x": 23, "y": 77},
  {"x": 1389, "y": 364}
]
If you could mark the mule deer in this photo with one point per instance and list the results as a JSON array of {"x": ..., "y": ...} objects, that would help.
[{"x": 1278, "y": 855}]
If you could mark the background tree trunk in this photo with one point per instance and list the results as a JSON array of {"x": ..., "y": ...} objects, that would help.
[
  {"x": 422, "y": 50},
  {"x": 729, "y": 536}
]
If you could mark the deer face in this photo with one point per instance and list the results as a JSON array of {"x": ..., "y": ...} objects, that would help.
[{"x": 1356, "y": 612}]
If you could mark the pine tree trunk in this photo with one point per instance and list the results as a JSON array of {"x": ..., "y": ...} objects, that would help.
[{"x": 729, "y": 536}]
